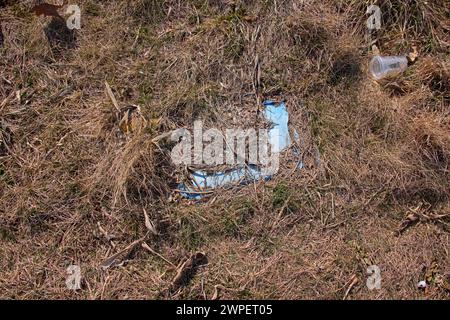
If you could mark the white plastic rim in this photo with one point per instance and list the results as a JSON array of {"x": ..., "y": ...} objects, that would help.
[{"x": 375, "y": 67}]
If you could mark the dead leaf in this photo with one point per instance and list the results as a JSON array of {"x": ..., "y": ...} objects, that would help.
[
  {"x": 413, "y": 55},
  {"x": 165, "y": 136},
  {"x": 410, "y": 220},
  {"x": 431, "y": 272},
  {"x": 121, "y": 257},
  {"x": 47, "y": 9},
  {"x": 216, "y": 291},
  {"x": 131, "y": 119},
  {"x": 106, "y": 235},
  {"x": 188, "y": 269},
  {"x": 111, "y": 96},
  {"x": 375, "y": 50},
  {"x": 149, "y": 224},
  {"x": 154, "y": 122},
  {"x": 19, "y": 96}
]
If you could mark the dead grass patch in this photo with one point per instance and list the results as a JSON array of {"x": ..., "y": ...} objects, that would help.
[{"x": 372, "y": 152}]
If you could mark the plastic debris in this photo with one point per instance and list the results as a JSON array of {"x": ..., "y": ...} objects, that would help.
[
  {"x": 382, "y": 67},
  {"x": 279, "y": 137},
  {"x": 201, "y": 182},
  {"x": 422, "y": 285}
]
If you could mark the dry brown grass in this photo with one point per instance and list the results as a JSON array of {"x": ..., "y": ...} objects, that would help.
[{"x": 65, "y": 168}]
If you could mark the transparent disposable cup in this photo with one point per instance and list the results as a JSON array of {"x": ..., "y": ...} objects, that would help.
[{"x": 382, "y": 67}]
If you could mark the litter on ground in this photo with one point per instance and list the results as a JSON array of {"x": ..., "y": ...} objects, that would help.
[
  {"x": 201, "y": 183},
  {"x": 382, "y": 67}
]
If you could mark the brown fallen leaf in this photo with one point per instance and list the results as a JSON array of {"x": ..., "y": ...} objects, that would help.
[
  {"x": 375, "y": 50},
  {"x": 109, "y": 237},
  {"x": 47, "y": 9},
  {"x": 121, "y": 257},
  {"x": 163, "y": 137},
  {"x": 218, "y": 287},
  {"x": 250, "y": 18},
  {"x": 215, "y": 295},
  {"x": 149, "y": 224},
  {"x": 431, "y": 272},
  {"x": 111, "y": 96},
  {"x": 188, "y": 270},
  {"x": 412, "y": 55},
  {"x": 131, "y": 119},
  {"x": 410, "y": 220}
]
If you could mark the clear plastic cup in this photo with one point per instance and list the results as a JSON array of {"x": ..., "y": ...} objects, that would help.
[{"x": 382, "y": 67}]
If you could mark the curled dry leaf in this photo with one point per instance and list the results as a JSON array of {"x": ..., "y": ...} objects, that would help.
[
  {"x": 149, "y": 224},
  {"x": 188, "y": 270},
  {"x": 431, "y": 272},
  {"x": 413, "y": 55},
  {"x": 121, "y": 257},
  {"x": 163, "y": 137},
  {"x": 106, "y": 235},
  {"x": 111, "y": 96},
  {"x": 131, "y": 119},
  {"x": 410, "y": 220},
  {"x": 47, "y": 9},
  {"x": 215, "y": 295},
  {"x": 375, "y": 50}
]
